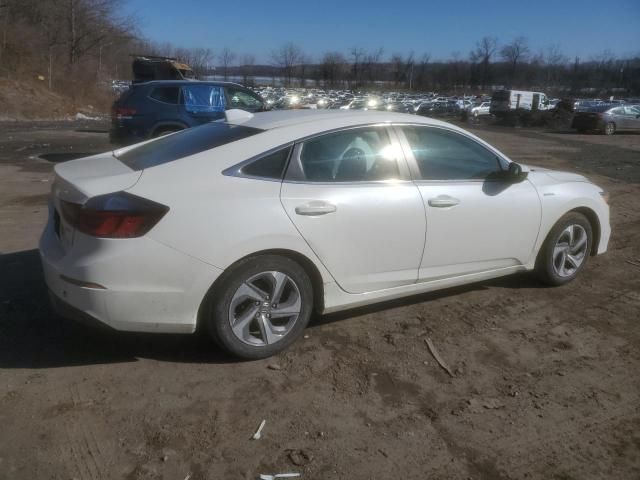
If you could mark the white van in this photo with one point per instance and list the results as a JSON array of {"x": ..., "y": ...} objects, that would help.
[{"x": 505, "y": 101}]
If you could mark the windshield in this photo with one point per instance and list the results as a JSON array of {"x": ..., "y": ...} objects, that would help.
[{"x": 183, "y": 144}]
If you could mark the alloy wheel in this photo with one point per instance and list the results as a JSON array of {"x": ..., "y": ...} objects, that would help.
[
  {"x": 265, "y": 308},
  {"x": 570, "y": 250},
  {"x": 610, "y": 128}
]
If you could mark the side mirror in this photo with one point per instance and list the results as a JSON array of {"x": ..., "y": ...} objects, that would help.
[{"x": 515, "y": 172}]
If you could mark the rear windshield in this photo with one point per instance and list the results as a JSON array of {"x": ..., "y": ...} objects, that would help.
[{"x": 183, "y": 144}]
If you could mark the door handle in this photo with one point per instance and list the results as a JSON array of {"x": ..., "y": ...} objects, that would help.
[
  {"x": 314, "y": 209},
  {"x": 442, "y": 201}
]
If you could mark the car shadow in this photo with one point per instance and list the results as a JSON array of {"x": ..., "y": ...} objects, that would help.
[
  {"x": 516, "y": 281},
  {"x": 590, "y": 132},
  {"x": 33, "y": 336},
  {"x": 63, "y": 157}
]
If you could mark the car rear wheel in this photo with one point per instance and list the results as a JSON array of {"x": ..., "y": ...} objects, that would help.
[
  {"x": 610, "y": 128},
  {"x": 565, "y": 250},
  {"x": 262, "y": 306}
]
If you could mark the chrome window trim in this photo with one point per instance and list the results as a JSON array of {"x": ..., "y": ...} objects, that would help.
[
  {"x": 413, "y": 163},
  {"x": 295, "y": 174}
]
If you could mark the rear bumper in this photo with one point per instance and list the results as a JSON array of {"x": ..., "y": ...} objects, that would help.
[
  {"x": 136, "y": 284},
  {"x": 66, "y": 310}
]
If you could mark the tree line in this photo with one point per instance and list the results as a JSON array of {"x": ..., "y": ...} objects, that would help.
[{"x": 76, "y": 47}]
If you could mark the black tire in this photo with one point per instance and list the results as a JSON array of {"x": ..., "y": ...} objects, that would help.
[
  {"x": 609, "y": 128},
  {"x": 545, "y": 268},
  {"x": 217, "y": 317},
  {"x": 162, "y": 131}
]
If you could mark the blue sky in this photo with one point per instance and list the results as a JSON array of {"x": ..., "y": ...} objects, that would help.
[{"x": 580, "y": 27}]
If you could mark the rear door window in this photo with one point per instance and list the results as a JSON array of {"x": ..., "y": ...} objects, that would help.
[
  {"x": 183, "y": 144},
  {"x": 166, "y": 94},
  {"x": 203, "y": 98},
  {"x": 355, "y": 155}
]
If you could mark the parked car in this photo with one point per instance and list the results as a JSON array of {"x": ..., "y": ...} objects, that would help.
[
  {"x": 608, "y": 119},
  {"x": 398, "y": 107},
  {"x": 481, "y": 110},
  {"x": 438, "y": 109},
  {"x": 245, "y": 227},
  {"x": 157, "y": 108}
]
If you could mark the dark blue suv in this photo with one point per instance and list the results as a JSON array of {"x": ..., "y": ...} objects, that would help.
[{"x": 155, "y": 108}]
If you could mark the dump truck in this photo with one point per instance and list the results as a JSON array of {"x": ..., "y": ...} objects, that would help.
[{"x": 151, "y": 67}]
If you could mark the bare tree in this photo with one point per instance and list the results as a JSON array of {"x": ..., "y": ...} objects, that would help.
[
  {"x": 226, "y": 58},
  {"x": 303, "y": 63},
  {"x": 423, "y": 80},
  {"x": 402, "y": 69},
  {"x": 515, "y": 52},
  {"x": 482, "y": 54},
  {"x": 371, "y": 65},
  {"x": 554, "y": 63},
  {"x": 247, "y": 61},
  {"x": 357, "y": 55},
  {"x": 333, "y": 68},
  {"x": 287, "y": 57}
]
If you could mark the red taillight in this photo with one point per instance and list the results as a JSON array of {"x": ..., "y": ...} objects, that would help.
[
  {"x": 117, "y": 215},
  {"x": 123, "y": 112}
]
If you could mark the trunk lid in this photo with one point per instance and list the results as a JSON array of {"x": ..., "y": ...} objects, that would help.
[{"x": 78, "y": 180}]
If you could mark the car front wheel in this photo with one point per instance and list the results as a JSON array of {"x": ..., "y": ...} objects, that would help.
[
  {"x": 565, "y": 250},
  {"x": 260, "y": 307},
  {"x": 610, "y": 128}
]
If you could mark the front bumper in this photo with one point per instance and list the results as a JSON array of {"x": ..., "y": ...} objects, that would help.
[{"x": 147, "y": 286}]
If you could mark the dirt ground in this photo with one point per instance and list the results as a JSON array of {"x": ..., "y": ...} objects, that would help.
[{"x": 546, "y": 381}]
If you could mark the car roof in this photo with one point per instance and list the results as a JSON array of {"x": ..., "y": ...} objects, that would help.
[
  {"x": 315, "y": 121},
  {"x": 171, "y": 83}
]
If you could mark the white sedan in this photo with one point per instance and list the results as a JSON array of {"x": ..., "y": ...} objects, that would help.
[
  {"x": 483, "y": 109},
  {"x": 246, "y": 227}
]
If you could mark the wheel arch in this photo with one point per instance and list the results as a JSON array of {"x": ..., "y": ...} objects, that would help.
[
  {"x": 307, "y": 264},
  {"x": 594, "y": 221}
]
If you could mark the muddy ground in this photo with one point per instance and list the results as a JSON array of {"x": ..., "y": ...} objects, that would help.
[{"x": 546, "y": 380}]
